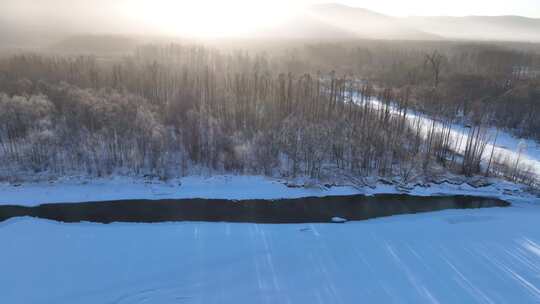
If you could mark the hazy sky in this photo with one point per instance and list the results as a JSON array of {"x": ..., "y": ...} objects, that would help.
[
  {"x": 201, "y": 17},
  {"x": 529, "y": 8}
]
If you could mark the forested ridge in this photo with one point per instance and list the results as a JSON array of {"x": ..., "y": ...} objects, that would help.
[{"x": 169, "y": 110}]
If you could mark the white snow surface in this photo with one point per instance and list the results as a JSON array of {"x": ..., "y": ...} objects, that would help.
[
  {"x": 120, "y": 188},
  {"x": 455, "y": 256},
  {"x": 74, "y": 190}
]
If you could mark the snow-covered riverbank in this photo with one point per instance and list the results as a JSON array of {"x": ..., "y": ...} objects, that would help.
[{"x": 224, "y": 187}]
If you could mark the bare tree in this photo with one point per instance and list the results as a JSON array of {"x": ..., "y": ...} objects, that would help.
[{"x": 435, "y": 61}]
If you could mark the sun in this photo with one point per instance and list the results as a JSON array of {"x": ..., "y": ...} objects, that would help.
[{"x": 209, "y": 18}]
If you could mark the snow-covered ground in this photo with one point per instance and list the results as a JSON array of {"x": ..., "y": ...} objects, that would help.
[
  {"x": 117, "y": 188},
  {"x": 220, "y": 186},
  {"x": 455, "y": 256}
]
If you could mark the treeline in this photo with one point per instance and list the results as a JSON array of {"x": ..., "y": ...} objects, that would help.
[{"x": 168, "y": 110}]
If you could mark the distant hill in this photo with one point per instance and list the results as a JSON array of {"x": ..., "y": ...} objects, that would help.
[
  {"x": 12, "y": 35},
  {"x": 339, "y": 22},
  {"x": 308, "y": 27},
  {"x": 507, "y": 28},
  {"x": 96, "y": 44},
  {"x": 336, "y": 21},
  {"x": 368, "y": 24}
]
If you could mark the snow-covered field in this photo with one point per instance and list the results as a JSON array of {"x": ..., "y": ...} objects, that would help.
[{"x": 455, "y": 256}]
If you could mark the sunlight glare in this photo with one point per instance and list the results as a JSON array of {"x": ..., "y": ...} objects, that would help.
[{"x": 210, "y": 18}]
